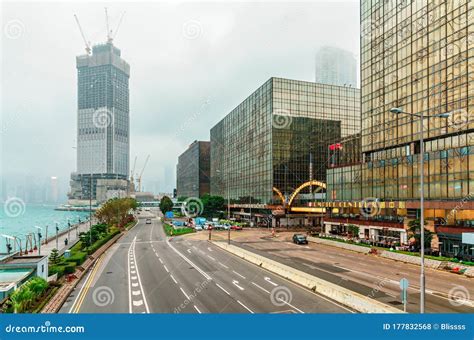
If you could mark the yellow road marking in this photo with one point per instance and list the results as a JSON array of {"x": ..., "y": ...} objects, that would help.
[{"x": 87, "y": 284}]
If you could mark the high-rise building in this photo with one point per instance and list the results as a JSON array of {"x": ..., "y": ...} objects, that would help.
[
  {"x": 335, "y": 66},
  {"x": 193, "y": 170},
  {"x": 417, "y": 55},
  {"x": 103, "y": 136},
  {"x": 277, "y": 139}
]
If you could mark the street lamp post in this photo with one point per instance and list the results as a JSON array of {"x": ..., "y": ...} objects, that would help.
[
  {"x": 398, "y": 110},
  {"x": 39, "y": 239},
  {"x": 68, "y": 230}
]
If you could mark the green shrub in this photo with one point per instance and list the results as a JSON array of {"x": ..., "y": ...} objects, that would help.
[
  {"x": 69, "y": 269},
  {"x": 56, "y": 269},
  {"x": 78, "y": 258},
  {"x": 92, "y": 249}
]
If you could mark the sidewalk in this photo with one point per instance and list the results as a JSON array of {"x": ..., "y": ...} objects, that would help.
[{"x": 46, "y": 248}]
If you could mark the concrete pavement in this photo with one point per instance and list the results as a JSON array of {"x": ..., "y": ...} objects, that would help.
[
  {"x": 147, "y": 273},
  {"x": 372, "y": 276}
]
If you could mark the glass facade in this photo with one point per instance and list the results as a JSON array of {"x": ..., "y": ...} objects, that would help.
[
  {"x": 192, "y": 170},
  {"x": 418, "y": 55},
  {"x": 103, "y": 125},
  {"x": 278, "y": 137}
]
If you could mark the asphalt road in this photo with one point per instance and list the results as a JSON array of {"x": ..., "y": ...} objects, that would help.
[
  {"x": 145, "y": 272},
  {"x": 371, "y": 276}
]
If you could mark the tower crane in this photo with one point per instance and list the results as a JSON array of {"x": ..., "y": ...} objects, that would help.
[
  {"x": 110, "y": 33},
  {"x": 87, "y": 43},
  {"x": 132, "y": 181},
  {"x": 141, "y": 173}
]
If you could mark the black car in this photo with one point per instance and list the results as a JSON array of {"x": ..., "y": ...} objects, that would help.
[
  {"x": 148, "y": 221},
  {"x": 299, "y": 239}
]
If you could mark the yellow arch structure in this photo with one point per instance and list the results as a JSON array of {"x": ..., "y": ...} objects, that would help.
[
  {"x": 278, "y": 192},
  {"x": 304, "y": 185}
]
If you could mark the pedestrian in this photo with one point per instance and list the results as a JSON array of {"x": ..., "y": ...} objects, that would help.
[{"x": 65, "y": 242}]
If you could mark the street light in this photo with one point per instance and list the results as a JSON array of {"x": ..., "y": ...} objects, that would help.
[
  {"x": 399, "y": 110},
  {"x": 39, "y": 238}
]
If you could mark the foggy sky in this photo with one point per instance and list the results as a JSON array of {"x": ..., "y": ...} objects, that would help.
[{"x": 191, "y": 64}]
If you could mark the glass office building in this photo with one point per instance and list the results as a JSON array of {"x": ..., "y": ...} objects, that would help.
[
  {"x": 193, "y": 170},
  {"x": 417, "y": 55},
  {"x": 103, "y": 124},
  {"x": 278, "y": 138}
]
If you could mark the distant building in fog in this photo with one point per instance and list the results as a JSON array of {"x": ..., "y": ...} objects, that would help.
[{"x": 335, "y": 66}]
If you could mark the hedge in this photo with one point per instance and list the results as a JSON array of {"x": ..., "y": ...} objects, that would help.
[
  {"x": 78, "y": 258},
  {"x": 56, "y": 269},
  {"x": 99, "y": 243}
]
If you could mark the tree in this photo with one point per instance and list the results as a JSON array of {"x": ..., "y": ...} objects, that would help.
[
  {"x": 182, "y": 198},
  {"x": 414, "y": 232},
  {"x": 213, "y": 205},
  {"x": 353, "y": 230},
  {"x": 116, "y": 211},
  {"x": 166, "y": 204},
  {"x": 54, "y": 257}
]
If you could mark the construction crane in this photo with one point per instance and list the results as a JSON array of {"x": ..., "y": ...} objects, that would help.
[
  {"x": 141, "y": 173},
  {"x": 87, "y": 43},
  {"x": 132, "y": 181},
  {"x": 110, "y": 33}
]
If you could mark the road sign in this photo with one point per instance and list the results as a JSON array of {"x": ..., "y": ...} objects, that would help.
[
  {"x": 404, "y": 284},
  {"x": 404, "y": 287}
]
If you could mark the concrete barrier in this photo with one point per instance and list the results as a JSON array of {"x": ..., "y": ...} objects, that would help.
[{"x": 339, "y": 294}]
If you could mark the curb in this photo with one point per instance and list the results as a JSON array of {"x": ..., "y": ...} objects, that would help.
[{"x": 330, "y": 290}]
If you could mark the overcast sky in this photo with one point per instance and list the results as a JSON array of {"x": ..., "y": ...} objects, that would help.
[{"x": 191, "y": 64}]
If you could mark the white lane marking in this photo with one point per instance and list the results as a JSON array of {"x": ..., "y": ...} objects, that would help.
[
  {"x": 174, "y": 279},
  {"x": 289, "y": 304},
  {"x": 308, "y": 265},
  {"x": 136, "y": 292},
  {"x": 236, "y": 283},
  {"x": 243, "y": 277},
  {"x": 189, "y": 251},
  {"x": 133, "y": 277},
  {"x": 134, "y": 284},
  {"x": 245, "y": 307},
  {"x": 223, "y": 265},
  {"x": 161, "y": 261},
  {"x": 194, "y": 247},
  {"x": 139, "y": 279},
  {"x": 189, "y": 261},
  {"x": 266, "y": 278},
  {"x": 166, "y": 269},
  {"x": 213, "y": 259},
  {"x": 209, "y": 248},
  {"x": 187, "y": 297},
  {"x": 256, "y": 285},
  {"x": 197, "y": 310},
  {"x": 225, "y": 291},
  {"x": 133, "y": 272},
  {"x": 138, "y": 303}
]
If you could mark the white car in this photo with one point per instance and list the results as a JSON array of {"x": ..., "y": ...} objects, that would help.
[{"x": 198, "y": 228}]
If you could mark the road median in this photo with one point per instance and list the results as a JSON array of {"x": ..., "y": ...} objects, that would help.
[{"x": 337, "y": 293}]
